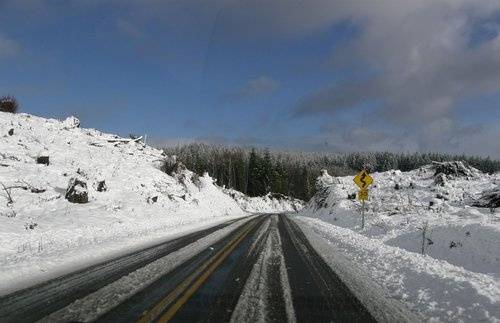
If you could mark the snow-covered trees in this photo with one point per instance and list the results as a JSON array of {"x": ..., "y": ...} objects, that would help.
[{"x": 260, "y": 171}]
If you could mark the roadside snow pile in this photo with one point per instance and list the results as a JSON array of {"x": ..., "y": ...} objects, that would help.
[
  {"x": 444, "y": 171},
  {"x": 269, "y": 203},
  {"x": 489, "y": 199},
  {"x": 71, "y": 196},
  {"x": 429, "y": 209},
  {"x": 325, "y": 192},
  {"x": 454, "y": 169}
]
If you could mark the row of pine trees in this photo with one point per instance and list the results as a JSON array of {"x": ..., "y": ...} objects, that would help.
[{"x": 257, "y": 172}]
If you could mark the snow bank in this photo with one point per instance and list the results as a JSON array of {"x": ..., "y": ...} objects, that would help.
[
  {"x": 269, "y": 203},
  {"x": 131, "y": 202},
  {"x": 458, "y": 278},
  {"x": 489, "y": 198}
]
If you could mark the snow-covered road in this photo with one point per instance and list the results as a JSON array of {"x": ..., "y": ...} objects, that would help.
[
  {"x": 38, "y": 301},
  {"x": 257, "y": 269}
]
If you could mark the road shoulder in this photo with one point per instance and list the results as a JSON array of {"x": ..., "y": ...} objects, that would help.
[{"x": 374, "y": 297}]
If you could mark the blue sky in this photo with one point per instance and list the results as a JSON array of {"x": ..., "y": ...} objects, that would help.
[{"x": 302, "y": 75}]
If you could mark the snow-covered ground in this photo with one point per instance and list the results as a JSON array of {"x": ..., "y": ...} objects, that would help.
[
  {"x": 458, "y": 277},
  {"x": 269, "y": 203},
  {"x": 43, "y": 235}
]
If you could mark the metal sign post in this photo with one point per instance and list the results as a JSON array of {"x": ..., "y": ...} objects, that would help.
[
  {"x": 363, "y": 214},
  {"x": 363, "y": 180}
]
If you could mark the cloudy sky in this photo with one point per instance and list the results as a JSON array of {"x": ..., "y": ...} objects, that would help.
[{"x": 334, "y": 75}]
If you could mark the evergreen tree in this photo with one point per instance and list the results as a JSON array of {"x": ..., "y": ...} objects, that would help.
[
  {"x": 253, "y": 175},
  {"x": 257, "y": 172}
]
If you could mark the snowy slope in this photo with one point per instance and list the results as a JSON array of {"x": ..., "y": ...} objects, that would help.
[
  {"x": 269, "y": 203},
  {"x": 42, "y": 234},
  {"x": 458, "y": 278}
]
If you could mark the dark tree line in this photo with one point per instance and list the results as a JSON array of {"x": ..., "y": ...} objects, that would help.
[{"x": 257, "y": 172}]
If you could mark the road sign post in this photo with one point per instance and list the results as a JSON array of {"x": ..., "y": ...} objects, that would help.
[
  {"x": 363, "y": 214},
  {"x": 363, "y": 180},
  {"x": 363, "y": 196}
]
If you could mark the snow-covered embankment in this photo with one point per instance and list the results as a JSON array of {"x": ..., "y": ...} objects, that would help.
[
  {"x": 131, "y": 202},
  {"x": 269, "y": 203},
  {"x": 458, "y": 276}
]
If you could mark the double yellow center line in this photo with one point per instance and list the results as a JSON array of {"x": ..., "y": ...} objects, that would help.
[{"x": 171, "y": 303}]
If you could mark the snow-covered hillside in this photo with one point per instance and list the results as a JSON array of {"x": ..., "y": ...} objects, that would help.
[
  {"x": 458, "y": 278},
  {"x": 269, "y": 203},
  {"x": 131, "y": 202}
]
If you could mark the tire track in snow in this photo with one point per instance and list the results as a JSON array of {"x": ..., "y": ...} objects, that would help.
[{"x": 266, "y": 296}]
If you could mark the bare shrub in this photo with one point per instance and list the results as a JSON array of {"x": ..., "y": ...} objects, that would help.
[
  {"x": 30, "y": 225},
  {"x": 9, "y": 104}
]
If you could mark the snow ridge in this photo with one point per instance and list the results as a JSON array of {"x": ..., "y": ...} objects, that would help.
[
  {"x": 457, "y": 278},
  {"x": 269, "y": 203}
]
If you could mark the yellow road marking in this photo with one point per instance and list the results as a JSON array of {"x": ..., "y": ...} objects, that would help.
[{"x": 187, "y": 288}]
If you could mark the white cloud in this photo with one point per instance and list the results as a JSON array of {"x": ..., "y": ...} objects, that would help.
[
  {"x": 8, "y": 47},
  {"x": 427, "y": 56},
  {"x": 258, "y": 86},
  {"x": 129, "y": 28},
  {"x": 420, "y": 51}
]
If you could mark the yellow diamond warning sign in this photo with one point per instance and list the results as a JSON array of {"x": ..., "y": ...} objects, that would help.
[
  {"x": 363, "y": 180},
  {"x": 363, "y": 195}
]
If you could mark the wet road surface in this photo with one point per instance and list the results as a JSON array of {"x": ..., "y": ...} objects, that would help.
[{"x": 262, "y": 269}]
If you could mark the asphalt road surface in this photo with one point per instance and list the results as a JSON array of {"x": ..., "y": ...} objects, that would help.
[{"x": 260, "y": 268}]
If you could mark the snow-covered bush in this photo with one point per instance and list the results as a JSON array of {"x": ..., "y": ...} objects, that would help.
[
  {"x": 489, "y": 199},
  {"x": 171, "y": 165},
  {"x": 77, "y": 191},
  {"x": 101, "y": 186},
  {"x": 71, "y": 123},
  {"x": 322, "y": 186},
  {"x": 453, "y": 169}
]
